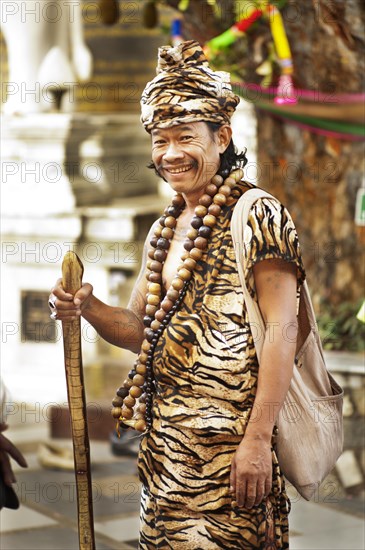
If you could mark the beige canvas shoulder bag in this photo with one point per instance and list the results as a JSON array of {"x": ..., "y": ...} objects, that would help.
[{"x": 310, "y": 426}]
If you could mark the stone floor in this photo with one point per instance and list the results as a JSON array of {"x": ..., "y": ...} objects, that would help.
[{"x": 47, "y": 519}]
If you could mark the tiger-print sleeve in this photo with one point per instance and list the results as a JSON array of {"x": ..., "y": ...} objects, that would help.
[{"x": 270, "y": 233}]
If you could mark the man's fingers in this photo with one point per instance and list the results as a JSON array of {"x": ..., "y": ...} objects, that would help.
[
  {"x": 268, "y": 485},
  {"x": 251, "y": 491},
  {"x": 68, "y": 307},
  {"x": 241, "y": 491},
  {"x": 8, "y": 448},
  {"x": 232, "y": 478},
  {"x": 60, "y": 293},
  {"x": 260, "y": 493},
  {"x": 83, "y": 294},
  {"x": 7, "y": 472},
  {"x": 17, "y": 456}
]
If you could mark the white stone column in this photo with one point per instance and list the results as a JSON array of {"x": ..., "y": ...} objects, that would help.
[{"x": 38, "y": 220}]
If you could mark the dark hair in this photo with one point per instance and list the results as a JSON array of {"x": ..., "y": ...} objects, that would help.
[{"x": 230, "y": 159}]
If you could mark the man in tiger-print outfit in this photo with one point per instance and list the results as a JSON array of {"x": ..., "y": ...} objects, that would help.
[{"x": 209, "y": 472}]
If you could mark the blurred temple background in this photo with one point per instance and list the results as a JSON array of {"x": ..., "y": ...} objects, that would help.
[{"x": 74, "y": 176}]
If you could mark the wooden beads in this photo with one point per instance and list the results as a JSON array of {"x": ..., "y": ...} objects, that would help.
[
  {"x": 158, "y": 312},
  {"x": 217, "y": 180},
  {"x": 215, "y": 210},
  {"x": 192, "y": 233},
  {"x": 136, "y": 391},
  {"x": 211, "y": 190},
  {"x": 178, "y": 200},
  {"x": 126, "y": 412},
  {"x": 129, "y": 401},
  {"x": 127, "y": 383},
  {"x": 163, "y": 243},
  {"x": 170, "y": 222},
  {"x": 205, "y": 200},
  {"x": 171, "y": 294},
  {"x": 209, "y": 220},
  {"x": 146, "y": 345},
  {"x": 220, "y": 199},
  {"x": 156, "y": 266},
  {"x": 196, "y": 222},
  {"x": 237, "y": 175},
  {"x": 150, "y": 309},
  {"x": 225, "y": 190},
  {"x": 142, "y": 407},
  {"x": 204, "y": 231},
  {"x": 138, "y": 380},
  {"x": 161, "y": 314},
  {"x": 116, "y": 412},
  {"x": 158, "y": 231},
  {"x": 177, "y": 284},
  {"x": 167, "y": 233},
  {"x": 200, "y": 210},
  {"x": 141, "y": 369},
  {"x": 196, "y": 254},
  {"x": 153, "y": 300},
  {"x": 229, "y": 182},
  {"x": 188, "y": 244},
  {"x": 184, "y": 274},
  {"x": 117, "y": 401},
  {"x": 154, "y": 288},
  {"x": 167, "y": 305},
  {"x": 160, "y": 255},
  {"x": 122, "y": 392},
  {"x": 200, "y": 243},
  {"x": 155, "y": 277},
  {"x": 190, "y": 264}
]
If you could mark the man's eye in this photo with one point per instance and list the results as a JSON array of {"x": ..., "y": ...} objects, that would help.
[
  {"x": 159, "y": 142},
  {"x": 186, "y": 137}
]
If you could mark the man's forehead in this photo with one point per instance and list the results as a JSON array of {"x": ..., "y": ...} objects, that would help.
[{"x": 176, "y": 128}]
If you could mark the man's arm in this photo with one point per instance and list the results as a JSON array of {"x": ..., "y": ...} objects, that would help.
[
  {"x": 276, "y": 285},
  {"x": 122, "y": 327}
]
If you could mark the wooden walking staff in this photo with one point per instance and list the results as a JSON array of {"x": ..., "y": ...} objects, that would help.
[{"x": 72, "y": 271}]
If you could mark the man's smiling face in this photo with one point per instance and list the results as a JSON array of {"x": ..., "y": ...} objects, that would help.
[{"x": 187, "y": 155}]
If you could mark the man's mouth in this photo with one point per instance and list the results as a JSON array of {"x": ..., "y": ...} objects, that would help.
[{"x": 177, "y": 169}]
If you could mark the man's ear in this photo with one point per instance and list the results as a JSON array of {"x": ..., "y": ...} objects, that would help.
[{"x": 224, "y": 137}]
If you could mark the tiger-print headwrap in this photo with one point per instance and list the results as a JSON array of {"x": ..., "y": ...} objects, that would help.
[{"x": 186, "y": 90}]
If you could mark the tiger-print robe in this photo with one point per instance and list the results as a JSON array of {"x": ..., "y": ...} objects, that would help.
[{"x": 206, "y": 370}]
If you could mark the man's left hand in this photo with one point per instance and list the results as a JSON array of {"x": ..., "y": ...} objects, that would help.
[{"x": 251, "y": 472}]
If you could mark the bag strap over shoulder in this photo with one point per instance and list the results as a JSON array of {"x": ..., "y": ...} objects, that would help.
[
  {"x": 306, "y": 317},
  {"x": 238, "y": 224}
]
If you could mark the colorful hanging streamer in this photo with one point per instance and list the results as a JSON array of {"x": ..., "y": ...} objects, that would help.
[
  {"x": 228, "y": 37},
  {"x": 331, "y": 128},
  {"x": 335, "y": 115},
  {"x": 285, "y": 90}
]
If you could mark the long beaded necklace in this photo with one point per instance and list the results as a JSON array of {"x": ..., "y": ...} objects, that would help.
[{"x": 139, "y": 384}]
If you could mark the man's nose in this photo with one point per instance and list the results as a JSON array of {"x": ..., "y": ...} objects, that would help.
[{"x": 173, "y": 152}]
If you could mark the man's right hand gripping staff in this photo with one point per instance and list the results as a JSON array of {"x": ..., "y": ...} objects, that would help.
[{"x": 122, "y": 327}]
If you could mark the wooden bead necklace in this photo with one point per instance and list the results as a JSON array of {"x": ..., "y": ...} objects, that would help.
[{"x": 139, "y": 384}]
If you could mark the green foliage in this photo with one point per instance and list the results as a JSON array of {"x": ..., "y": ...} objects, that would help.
[{"x": 340, "y": 329}]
